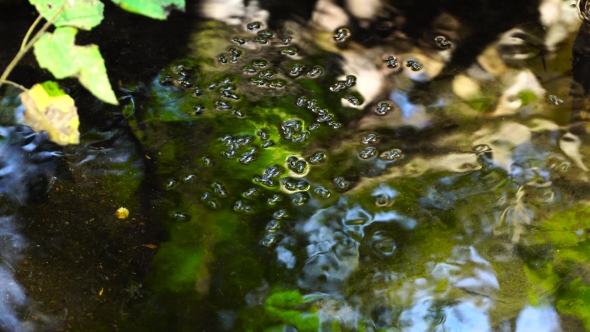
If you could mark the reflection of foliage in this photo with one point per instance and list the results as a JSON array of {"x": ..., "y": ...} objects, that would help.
[
  {"x": 282, "y": 308},
  {"x": 560, "y": 263}
]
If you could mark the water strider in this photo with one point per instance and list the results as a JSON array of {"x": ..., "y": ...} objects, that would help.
[{"x": 422, "y": 183}]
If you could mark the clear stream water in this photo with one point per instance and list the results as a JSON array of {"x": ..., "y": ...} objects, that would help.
[{"x": 292, "y": 180}]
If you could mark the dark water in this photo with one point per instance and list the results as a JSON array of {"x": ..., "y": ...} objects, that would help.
[{"x": 298, "y": 179}]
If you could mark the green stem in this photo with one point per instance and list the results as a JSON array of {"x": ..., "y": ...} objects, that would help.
[
  {"x": 31, "y": 29},
  {"x": 28, "y": 46}
]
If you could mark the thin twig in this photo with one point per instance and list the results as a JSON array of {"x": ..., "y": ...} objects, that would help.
[
  {"x": 31, "y": 29},
  {"x": 27, "y": 47},
  {"x": 14, "y": 84}
]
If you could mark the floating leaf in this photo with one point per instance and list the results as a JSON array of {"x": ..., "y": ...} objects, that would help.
[
  {"x": 57, "y": 53},
  {"x": 158, "y": 9},
  {"x": 55, "y": 114},
  {"x": 83, "y": 14},
  {"x": 150, "y": 246}
]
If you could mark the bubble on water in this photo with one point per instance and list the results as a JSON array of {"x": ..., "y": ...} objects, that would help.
[
  {"x": 382, "y": 243},
  {"x": 383, "y": 107},
  {"x": 171, "y": 184},
  {"x": 334, "y": 124},
  {"x": 248, "y": 70},
  {"x": 382, "y": 200},
  {"x": 268, "y": 176},
  {"x": 257, "y": 81},
  {"x": 352, "y": 99},
  {"x": 278, "y": 84},
  {"x": 265, "y": 33},
  {"x": 189, "y": 178},
  {"x": 238, "y": 114},
  {"x": 252, "y": 192},
  {"x": 213, "y": 204},
  {"x": 248, "y": 156},
  {"x": 259, "y": 63},
  {"x": 260, "y": 40},
  {"x": 230, "y": 95},
  {"x": 392, "y": 155},
  {"x": 237, "y": 52},
  {"x": 180, "y": 216},
  {"x": 206, "y": 196},
  {"x": 269, "y": 73},
  {"x": 273, "y": 226},
  {"x": 341, "y": 183},
  {"x": 239, "y": 40},
  {"x": 222, "y": 59},
  {"x": 287, "y": 40},
  {"x": 338, "y": 86},
  {"x": 293, "y": 130},
  {"x": 218, "y": 189},
  {"x": 555, "y": 100},
  {"x": 268, "y": 143},
  {"x": 185, "y": 83},
  {"x": 317, "y": 158},
  {"x": 341, "y": 34},
  {"x": 301, "y": 101},
  {"x": 254, "y": 25},
  {"x": 315, "y": 71},
  {"x": 312, "y": 104},
  {"x": 197, "y": 92},
  {"x": 167, "y": 80},
  {"x": 369, "y": 139},
  {"x": 198, "y": 110},
  {"x": 413, "y": 64},
  {"x": 289, "y": 51},
  {"x": 481, "y": 149},
  {"x": 350, "y": 80},
  {"x": 212, "y": 86},
  {"x": 442, "y": 42},
  {"x": 240, "y": 206},
  {"x": 221, "y": 105},
  {"x": 325, "y": 117},
  {"x": 368, "y": 153},
  {"x": 295, "y": 185},
  {"x": 299, "y": 198},
  {"x": 296, "y": 165},
  {"x": 281, "y": 214},
  {"x": 296, "y": 69},
  {"x": 313, "y": 126},
  {"x": 270, "y": 240},
  {"x": 207, "y": 161},
  {"x": 274, "y": 199},
  {"x": 391, "y": 61},
  {"x": 322, "y": 192},
  {"x": 262, "y": 134}
]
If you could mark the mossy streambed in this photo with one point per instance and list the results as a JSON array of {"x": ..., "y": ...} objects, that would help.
[{"x": 267, "y": 193}]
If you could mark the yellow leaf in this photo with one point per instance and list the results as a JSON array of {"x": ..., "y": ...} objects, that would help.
[
  {"x": 122, "y": 213},
  {"x": 57, "y": 115},
  {"x": 151, "y": 246}
]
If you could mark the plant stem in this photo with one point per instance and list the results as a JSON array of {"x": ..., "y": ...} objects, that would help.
[
  {"x": 28, "y": 46},
  {"x": 31, "y": 29},
  {"x": 14, "y": 84}
]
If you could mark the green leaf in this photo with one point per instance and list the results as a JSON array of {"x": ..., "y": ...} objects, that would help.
[
  {"x": 158, "y": 9},
  {"x": 57, "y": 53},
  {"x": 83, "y": 14}
]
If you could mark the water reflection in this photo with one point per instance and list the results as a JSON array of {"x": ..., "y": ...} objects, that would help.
[{"x": 310, "y": 181}]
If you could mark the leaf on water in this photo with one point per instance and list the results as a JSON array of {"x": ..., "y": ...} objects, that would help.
[
  {"x": 51, "y": 112},
  {"x": 158, "y": 9},
  {"x": 150, "y": 246},
  {"x": 57, "y": 53},
  {"x": 83, "y": 14}
]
